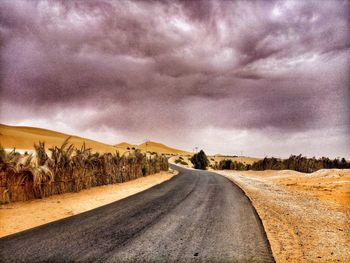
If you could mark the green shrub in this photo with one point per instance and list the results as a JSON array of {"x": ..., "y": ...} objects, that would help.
[
  {"x": 200, "y": 160},
  {"x": 228, "y": 164}
]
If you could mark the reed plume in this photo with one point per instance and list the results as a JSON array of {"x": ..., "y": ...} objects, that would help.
[{"x": 69, "y": 169}]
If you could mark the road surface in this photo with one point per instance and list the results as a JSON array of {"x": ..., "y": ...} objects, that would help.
[{"x": 197, "y": 216}]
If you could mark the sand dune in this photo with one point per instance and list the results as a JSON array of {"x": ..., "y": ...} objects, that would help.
[
  {"x": 25, "y": 137},
  {"x": 20, "y": 137},
  {"x": 151, "y": 147}
]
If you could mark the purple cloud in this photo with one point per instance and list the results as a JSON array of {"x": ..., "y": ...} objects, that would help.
[{"x": 146, "y": 68}]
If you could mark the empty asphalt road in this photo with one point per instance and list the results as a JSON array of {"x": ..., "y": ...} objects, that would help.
[{"x": 197, "y": 216}]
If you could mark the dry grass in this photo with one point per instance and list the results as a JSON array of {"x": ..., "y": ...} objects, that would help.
[{"x": 69, "y": 169}]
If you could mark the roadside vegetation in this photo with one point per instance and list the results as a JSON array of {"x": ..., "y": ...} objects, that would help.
[
  {"x": 294, "y": 162},
  {"x": 200, "y": 160},
  {"x": 181, "y": 160},
  {"x": 228, "y": 164},
  {"x": 68, "y": 169}
]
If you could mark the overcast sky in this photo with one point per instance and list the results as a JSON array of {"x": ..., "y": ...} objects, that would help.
[{"x": 258, "y": 77}]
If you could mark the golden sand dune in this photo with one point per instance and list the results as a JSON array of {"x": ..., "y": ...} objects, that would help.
[
  {"x": 151, "y": 147},
  {"x": 24, "y": 138}
]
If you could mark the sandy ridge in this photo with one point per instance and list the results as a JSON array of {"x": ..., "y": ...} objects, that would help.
[{"x": 21, "y": 137}]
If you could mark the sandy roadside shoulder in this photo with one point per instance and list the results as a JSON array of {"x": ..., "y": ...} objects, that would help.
[
  {"x": 306, "y": 216},
  {"x": 19, "y": 216}
]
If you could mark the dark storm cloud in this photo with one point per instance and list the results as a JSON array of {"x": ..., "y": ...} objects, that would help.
[{"x": 231, "y": 64}]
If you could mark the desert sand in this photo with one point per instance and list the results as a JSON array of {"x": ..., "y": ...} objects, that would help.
[
  {"x": 306, "y": 216},
  {"x": 19, "y": 216},
  {"x": 23, "y": 138}
]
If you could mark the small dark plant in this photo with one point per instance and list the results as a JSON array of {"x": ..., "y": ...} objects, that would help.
[{"x": 200, "y": 160}]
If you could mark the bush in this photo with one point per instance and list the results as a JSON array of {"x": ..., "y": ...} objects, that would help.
[
  {"x": 228, "y": 164},
  {"x": 181, "y": 161},
  {"x": 200, "y": 160}
]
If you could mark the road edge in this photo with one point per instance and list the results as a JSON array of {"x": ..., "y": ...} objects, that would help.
[{"x": 255, "y": 212}]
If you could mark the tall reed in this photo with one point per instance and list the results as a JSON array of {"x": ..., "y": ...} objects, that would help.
[{"x": 68, "y": 169}]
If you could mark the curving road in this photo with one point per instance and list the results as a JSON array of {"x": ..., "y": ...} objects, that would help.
[{"x": 197, "y": 216}]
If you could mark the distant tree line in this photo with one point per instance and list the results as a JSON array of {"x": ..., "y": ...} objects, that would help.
[{"x": 294, "y": 162}]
